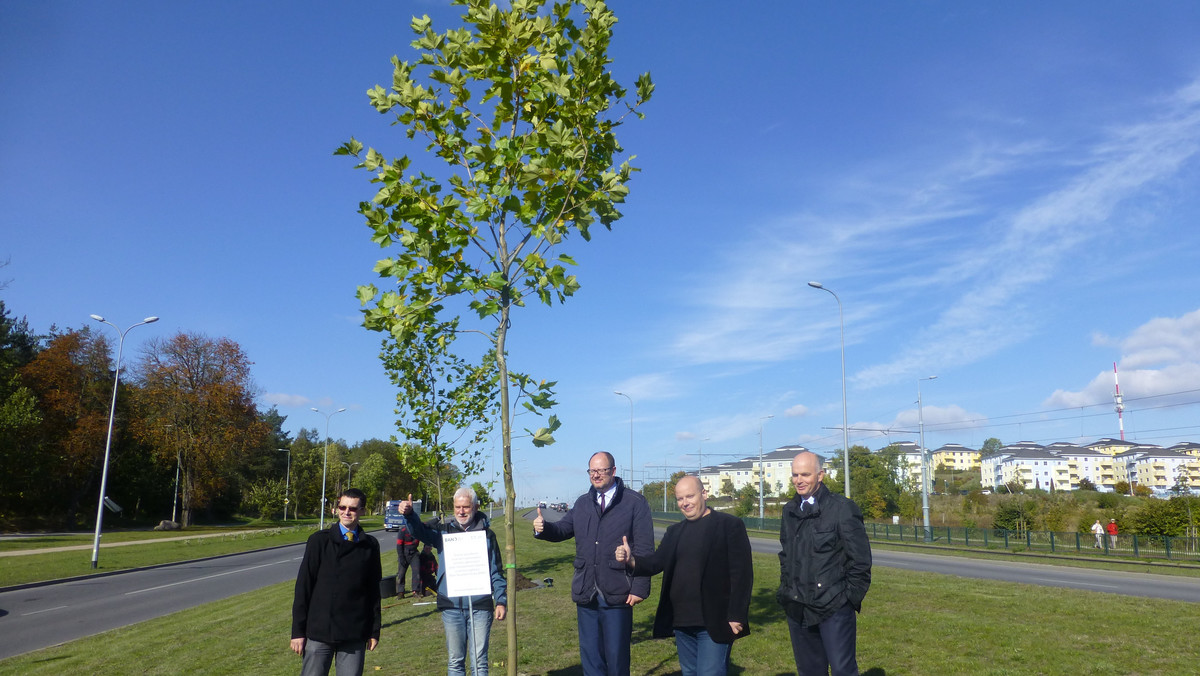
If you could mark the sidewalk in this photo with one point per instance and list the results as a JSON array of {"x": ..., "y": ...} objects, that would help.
[{"x": 73, "y": 548}]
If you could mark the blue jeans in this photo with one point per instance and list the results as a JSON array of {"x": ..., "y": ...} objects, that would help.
[
  {"x": 467, "y": 632},
  {"x": 699, "y": 655}
]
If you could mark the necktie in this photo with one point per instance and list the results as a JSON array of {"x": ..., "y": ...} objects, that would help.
[
  {"x": 602, "y": 503},
  {"x": 350, "y": 536}
]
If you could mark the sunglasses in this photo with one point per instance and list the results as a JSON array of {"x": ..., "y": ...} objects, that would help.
[{"x": 348, "y": 508}]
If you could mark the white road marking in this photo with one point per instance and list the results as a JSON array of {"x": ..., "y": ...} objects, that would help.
[
  {"x": 206, "y": 577},
  {"x": 46, "y": 610}
]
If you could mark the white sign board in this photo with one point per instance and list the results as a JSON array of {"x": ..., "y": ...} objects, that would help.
[{"x": 466, "y": 558}]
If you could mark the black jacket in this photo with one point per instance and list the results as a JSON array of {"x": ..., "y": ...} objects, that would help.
[
  {"x": 597, "y": 537},
  {"x": 825, "y": 561},
  {"x": 337, "y": 588},
  {"x": 726, "y": 578}
]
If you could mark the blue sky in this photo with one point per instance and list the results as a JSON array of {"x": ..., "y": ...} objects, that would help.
[{"x": 1004, "y": 195}]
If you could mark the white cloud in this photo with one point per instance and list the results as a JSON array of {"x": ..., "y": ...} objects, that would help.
[
  {"x": 797, "y": 411},
  {"x": 1172, "y": 344},
  {"x": 650, "y": 386},
  {"x": 289, "y": 400},
  {"x": 1037, "y": 239}
]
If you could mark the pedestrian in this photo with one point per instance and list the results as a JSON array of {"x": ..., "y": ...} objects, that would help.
[
  {"x": 708, "y": 577},
  {"x": 335, "y": 613},
  {"x": 607, "y": 515},
  {"x": 429, "y": 570},
  {"x": 825, "y": 571},
  {"x": 1112, "y": 533},
  {"x": 407, "y": 559},
  {"x": 467, "y": 619},
  {"x": 1098, "y": 532}
]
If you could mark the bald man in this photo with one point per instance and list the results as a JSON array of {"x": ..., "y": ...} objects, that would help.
[
  {"x": 824, "y": 572},
  {"x": 708, "y": 577}
]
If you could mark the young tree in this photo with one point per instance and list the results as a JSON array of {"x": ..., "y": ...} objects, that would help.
[
  {"x": 521, "y": 108},
  {"x": 445, "y": 403}
]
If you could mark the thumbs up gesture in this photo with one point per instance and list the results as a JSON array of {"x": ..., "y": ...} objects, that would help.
[
  {"x": 406, "y": 506},
  {"x": 624, "y": 554},
  {"x": 539, "y": 524}
]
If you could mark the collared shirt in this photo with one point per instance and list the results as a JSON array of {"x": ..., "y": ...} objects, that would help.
[
  {"x": 608, "y": 496},
  {"x": 346, "y": 530}
]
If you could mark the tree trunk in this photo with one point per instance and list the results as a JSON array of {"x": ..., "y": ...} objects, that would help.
[{"x": 510, "y": 494}]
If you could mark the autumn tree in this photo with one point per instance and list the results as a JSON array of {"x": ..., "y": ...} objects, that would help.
[
  {"x": 196, "y": 402},
  {"x": 521, "y": 109},
  {"x": 72, "y": 381}
]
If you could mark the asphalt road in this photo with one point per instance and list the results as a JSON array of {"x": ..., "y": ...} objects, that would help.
[
  {"x": 48, "y": 615},
  {"x": 43, "y": 616}
]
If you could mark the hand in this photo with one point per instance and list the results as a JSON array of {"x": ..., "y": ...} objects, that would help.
[
  {"x": 371, "y": 643},
  {"x": 633, "y": 600},
  {"x": 406, "y": 506},
  {"x": 539, "y": 523},
  {"x": 501, "y": 611},
  {"x": 298, "y": 646},
  {"x": 736, "y": 628},
  {"x": 623, "y": 553}
]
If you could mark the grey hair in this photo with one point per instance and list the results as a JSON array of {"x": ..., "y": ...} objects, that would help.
[{"x": 466, "y": 492}]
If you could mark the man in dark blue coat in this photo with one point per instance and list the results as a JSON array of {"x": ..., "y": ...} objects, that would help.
[
  {"x": 824, "y": 572},
  {"x": 604, "y": 591},
  {"x": 335, "y": 613}
]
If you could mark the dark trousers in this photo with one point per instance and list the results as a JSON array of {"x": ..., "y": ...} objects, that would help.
[
  {"x": 318, "y": 657},
  {"x": 407, "y": 556},
  {"x": 830, "y": 644},
  {"x": 604, "y": 635}
]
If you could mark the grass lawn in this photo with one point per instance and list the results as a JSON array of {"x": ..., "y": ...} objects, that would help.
[{"x": 912, "y": 623}]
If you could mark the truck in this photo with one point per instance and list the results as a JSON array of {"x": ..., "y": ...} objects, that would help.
[{"x": 392, "y": 516}]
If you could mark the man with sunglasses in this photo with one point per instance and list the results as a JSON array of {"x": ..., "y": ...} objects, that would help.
[
  {"x": 604, "y": 592},
  {"x": 335, "y": 614}
]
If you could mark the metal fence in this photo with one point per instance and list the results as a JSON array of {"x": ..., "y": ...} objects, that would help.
[
  {"x": 1141, "y": 546},
  {"x": 1066, "y": 543}
]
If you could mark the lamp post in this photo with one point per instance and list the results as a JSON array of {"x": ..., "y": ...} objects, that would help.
[
  {"x": 178, "y": 465},
  {"x": 287, "y": 488},
  {"x": 111, "y": 414},
  {"x": 349, "y": 469},
  {"x": 325, "y": 462},
  {"x": 630, "y": 437},
  {"x": 924, "y": 462},
  {"x": 761, "y": 422},
  {"x": 845, "y": 423}
]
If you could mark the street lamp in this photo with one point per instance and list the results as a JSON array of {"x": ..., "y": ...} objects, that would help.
[
  {"x": 325, "y": 462},
  {"x": 761, "y": 421},
  {"x": 349, "y": 469},
  {"x": 845, "y": 423},
  {"x": 700, "y": 456},
  {"x": 630, "y": 437},
  {"x": 924, "y": 461},
  {"x": 287, "y": 489},
  {"x": 111, "y": 414}
]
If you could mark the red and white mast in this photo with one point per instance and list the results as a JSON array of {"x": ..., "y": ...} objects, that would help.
[{"x": 1120, "y": 402}]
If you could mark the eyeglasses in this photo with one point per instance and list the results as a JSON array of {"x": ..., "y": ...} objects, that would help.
[
  {"x": 348, "y": 508},
  {"x": 599, "y": 472}
]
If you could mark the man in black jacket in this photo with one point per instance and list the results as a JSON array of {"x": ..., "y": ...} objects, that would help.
[
  {"x": 708, "y": 576},
  {"x": 604, "y": 592},
  {"x": 336, "y": 611},
  {"x": 824, "y": 572}
]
